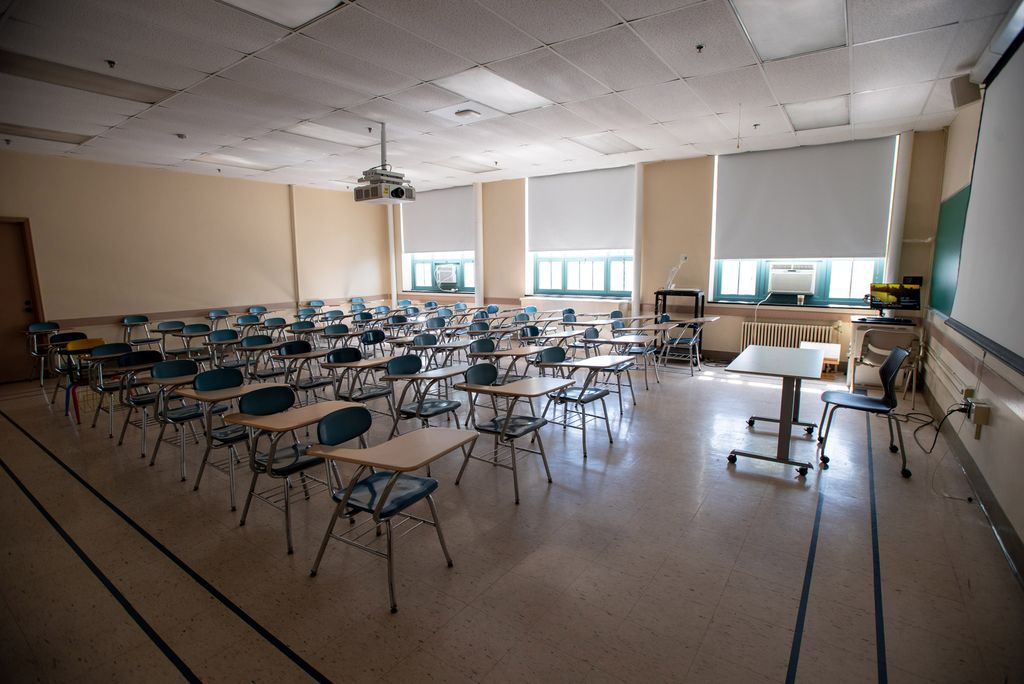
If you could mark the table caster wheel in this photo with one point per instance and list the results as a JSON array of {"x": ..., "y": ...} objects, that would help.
[
  {"x": 802, "y": 472},
  {"x": 809, "y": 430},
  {"x": 731, "y": 458},
  {"x": 824, "y": 459},
  {"x": 905, "y": 473},
  {"x": 750, "y": 422},
  {"x": 894, "y": 449}
]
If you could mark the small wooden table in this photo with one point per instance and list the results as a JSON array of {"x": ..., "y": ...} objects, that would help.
[{"x": 792, "y": 365}]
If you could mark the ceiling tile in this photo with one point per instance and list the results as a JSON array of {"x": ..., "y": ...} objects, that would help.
[
  {"x": 756, "y": 122},
  {"x": 155, "y": 143},
  {"x": 724, "y": 92},
  {"x": 164, "y": 133},
  {"x": 297, "y": 145},
  {"x": 972, "y": 37},
  {"x": 85, "y": 52},
  {"x": 315, "y": 59},
  {"x": 44, "y": 105},
  {"x": 674, "y": 36},
  {"x": 874, "y": 19},
  {"x": 269, "y": 77},
  {"x": 557, "y": 120},
  {"x": 883, "y": 128},
  {"x": 824, "y": 136},
  {"x": 617, "y": 58},
  {"x": 507, "y": 130},
  {"x": 545, "y": 73},
  {"x": 784, "y": 29},
  {"x": 400, "y": 121},
  {"x": 290, "y": 14},
  {"x": 355, "y": 31},
  {"x": 941, "y": 98},
  {"x": 465, "y": 112},
  {"x": 896, "y": 61},
  {"x": 190, "y": 113},
  {"x": 609, "y": 111},
  {"x": 248, "y": 98},
  {"x": 699, "y": 129},
  {"x": 425, "y": 97},
  {"x": 342, "y": 127},
  {"x": 16, "y": 143},
  {"x": 754, "y": 144},
  {"x": 493, "y": 90},
  {"x": 810, "y": 77},
  {"x": 833, "y": 111},
  {"x": 606, "y": 143},
  {"x": 891, "y": 103},
  {"x": 636, "y": 9},
  {"x": 934, "y": 122},
  {"x": 463, "y": 26},
  {"x": 214, "y": 170},
  {"x": 666, "y": 101},
  {"x": 648, "y": 137},
  {"x": 551, "y": 22}
]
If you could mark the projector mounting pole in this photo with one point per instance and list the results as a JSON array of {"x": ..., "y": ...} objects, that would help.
[{"x": 383, "y": 146}]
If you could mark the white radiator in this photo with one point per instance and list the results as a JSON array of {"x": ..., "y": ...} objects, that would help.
[{"x": 785, "y": 334}]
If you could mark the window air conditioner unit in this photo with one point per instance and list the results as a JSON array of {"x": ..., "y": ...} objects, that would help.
[
  {"x": 795, "y": 279},
  {"x": 446, "y": 274}
]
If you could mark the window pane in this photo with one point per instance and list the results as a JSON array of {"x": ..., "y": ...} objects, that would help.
[
  {"x": 747, "y": 284},
  {"x": 860, "y": 280},
  {"x": 468, "y": 274},
  {"x": 556, "y": 274},
  {"x": 422, "y": 275},
  {"x": 572, "y": 279},
  {"x": 730, "y": 277},
  {"x": 597, "y": 274},
  {"x": 543, "y": 275},
  {"x": 839, "y": 283},
  {"x": 618, "y": 276},
  {"x": 627, "y": 278}
]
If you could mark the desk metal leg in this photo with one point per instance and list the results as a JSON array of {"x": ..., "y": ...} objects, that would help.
[
  {"x": 808, "y": 427},
  {"x": 788, "y": 408}
]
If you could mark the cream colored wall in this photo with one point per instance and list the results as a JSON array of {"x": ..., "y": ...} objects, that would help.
[
  {"x": 922, "y": 217},
  {"x": 962, "y": 139},
  {"x": 111, "y": 239},
  {"x": 504, "y": 239},
  {"x": 342, "y": 245}
]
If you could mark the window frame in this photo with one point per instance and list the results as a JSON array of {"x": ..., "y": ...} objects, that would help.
[
  {"x": 563, "y": 261},
  {"x": 434, "y": 262},
  {"x": 822, "y": 279}
]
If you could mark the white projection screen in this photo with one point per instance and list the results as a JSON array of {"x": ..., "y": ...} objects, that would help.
[
  {"x": 585, "y": 210},
  {"x": 440, "y": 221},
  {"x": 989, "y": 303}
]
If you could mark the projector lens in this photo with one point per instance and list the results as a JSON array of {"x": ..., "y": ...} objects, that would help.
[{"x": 398, "y": 193}]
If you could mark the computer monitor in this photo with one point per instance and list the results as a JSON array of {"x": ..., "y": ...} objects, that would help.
[{"x": 895, "y": 296}]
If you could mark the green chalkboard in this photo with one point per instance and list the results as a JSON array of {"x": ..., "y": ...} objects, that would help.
[{"x": 948, "y": 240}]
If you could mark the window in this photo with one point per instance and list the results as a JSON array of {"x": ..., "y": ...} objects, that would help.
[
  {"x": 604, "y": 273},
  {"x": 440, "y": 271},
  {"x": 842, "y": 282}
]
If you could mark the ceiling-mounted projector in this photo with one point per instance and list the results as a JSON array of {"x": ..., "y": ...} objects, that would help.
[{"x": 381, "y": 185}]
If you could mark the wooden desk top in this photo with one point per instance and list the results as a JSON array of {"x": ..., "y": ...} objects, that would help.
[
  {"x": 219, "y": 343},
  {"x": 432, "y": 374},
  {"x": 213, "y": 396},
  {"x": 374, "y": 362},
  {"x": 782, "y": 362},
  {"x": 562, "y": 335},
  {"x": 514, "y": 352},
  {"x": 530, "y": 387},
  {"x": 259, "y": 347},
  {"x": 292, "y": 419},
  {"x": 595, "y": 323},
  {"x": 313, "y": 354},
  {"x": 404, "y": 453},
  {"x": 170, "y": 382},
  {"x": 625, "y": 340},
  {"x": 190, "y": 335},
  {"x": 602, "y": 362}
]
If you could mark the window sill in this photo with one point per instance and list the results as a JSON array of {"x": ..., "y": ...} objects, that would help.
[{"x": 578, "y": 298}]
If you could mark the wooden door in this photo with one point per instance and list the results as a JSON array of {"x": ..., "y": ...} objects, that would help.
[{"x": 18, "y": 303}]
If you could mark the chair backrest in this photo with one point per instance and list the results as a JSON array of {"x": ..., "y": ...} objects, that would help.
[
  {"x": 223, "y": 335},
  {"x": 430, "y": 305},
  {"x": 295, "y": 347},
  {"x": 551, "y": 355},
  {"x": 62, "y": 337},
  {"x": 479, "y": 325},
  {"x": 435, "y": 323},
  {"x": 398, "y": 318},
  {"x": 218, "y": 378},
  {"x": 412, "y": 311},
  {"x": 492, "y": 308},
  {"x": 256, "y": 340},
  {"x": 425, "y": 340},
  {"x": 357, "y": 307},
  {"x": 248, "y": 319},
  {"x": 480, "y": 315},
  {"x": 444, "y": 312},
  {"x": 344, "y": 355},
  {"x": 403, "y": 365},
  {"x": 343, "y": 425},
  {"x": 530, "y": 309},
  {"x": 482, "y": 374},
  {"x": 333, "y": 314},
  {"x": 257, "y": 309},
  {"x": 138, "y": 358},
  {"x": 591, "y": 333},
  {"x": 569, "y": 310},
  {"x": 42, "y": 326},
  {"x": 305, "y": 312},
  {"x": 460, "y": 306},
  {"x": 618, "y": 325},
  {"x": 373, "y": 337},
  {"x": 302, "y": 325},
  {"x": 196, "y": 328},
  {"x": 336, "y": 329},
  {"x": 135, "y": 319},
  {"x": 275, "y": 322},
  {"x": 615, "y": 313},
  {"x": 83, "y": 342},
  {"x": 219, "y": 313},
  {"x": 484, "y": 346},
  {"x": 529, "y": 331},
  {"x": 663, "y": 318},
  {"x": 267, "y": 400},
  {"x": 112, "y": 348},
  {"x": 170, "y": 326},
  {"x": 568, "y": 318},
  {"x": 888, "y": 372},
  {"x": 174, "y": 368},
  {"x": 316, "y": 303},
  {"x": 381, "y": 309},
  {"x": 521, "y": 317},
  {"x": 357, "y": 300},
  {"x": 363, "y": 316},
  {"x": 404, "y": 302},
  {"x": 878, "y": 342}
]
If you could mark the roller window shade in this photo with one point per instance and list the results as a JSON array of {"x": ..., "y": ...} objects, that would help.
[
  {"x": 440, "y": 221},
  {"x": 586, "y": 210},
  {"x": 808, "y": 202}
]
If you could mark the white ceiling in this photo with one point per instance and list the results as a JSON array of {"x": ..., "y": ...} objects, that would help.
[{"x": 564, "y": 84}]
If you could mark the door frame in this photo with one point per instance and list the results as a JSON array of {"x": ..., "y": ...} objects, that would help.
[{"x": 30, "y": 259}]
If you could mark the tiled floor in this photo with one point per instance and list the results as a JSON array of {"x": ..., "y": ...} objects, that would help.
[{"x": 652, "y": 561}]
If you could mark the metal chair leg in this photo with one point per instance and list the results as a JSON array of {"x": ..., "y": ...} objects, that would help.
[
  {"x": 821, "y": 423},
  {"x": 391, "y": 567},
  {"x": 323, "y": 542},
  {"x": 437, "y": 528},
  {"x": 248, "y": 500},
  {"x": 515, "y": 470},
  {"x": 156, "y": 447},
  {"x": 543, "y": 454},
  {"x": 124, "y": 428},
  {"x": 904, "y": 471},
  {"x": 607, "y": 425},
  {"x": 288, "y": 514}
]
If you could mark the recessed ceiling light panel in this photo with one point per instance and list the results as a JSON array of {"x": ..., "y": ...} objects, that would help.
[
  {"x": 485, "y": 86},
  {"x": 290, "y": 13}
]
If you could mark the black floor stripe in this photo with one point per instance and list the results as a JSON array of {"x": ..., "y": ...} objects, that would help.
[
  {"x": 883, "y": 675},
  {"x": 199, "y": 579},
  {"x": 147, "y": 628},
  {"x": 798, "y": 630}
]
